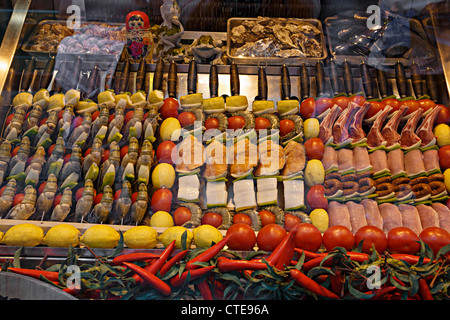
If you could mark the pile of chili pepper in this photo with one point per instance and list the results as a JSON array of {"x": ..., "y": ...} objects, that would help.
[{"x": 285, "y": 273}]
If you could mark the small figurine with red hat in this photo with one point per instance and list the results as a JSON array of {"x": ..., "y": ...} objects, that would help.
[{"x": 139, "y": 36}]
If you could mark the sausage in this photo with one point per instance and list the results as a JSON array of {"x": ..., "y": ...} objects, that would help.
[
  {"x": 384, "y": 189},
  {"x": 366, "y": 184},
  {"x": 401, "y": 180},
  {"x": 332, "y": 186},
  {"x": 349, "y": 187},
  {"x": 437, "y": 187},
  {"x": 402, "y": 190},
  {"x": 421, "y": 190}
]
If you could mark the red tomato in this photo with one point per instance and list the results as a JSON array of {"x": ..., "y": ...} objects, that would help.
[
  {"x": 371, "y": 236},
  {"x": 314, "y": 148},
  {"x": 290, "y": 221},
  {"x": 375, "y": 107},
  {"x": 79, "y": 194},
  {"x": 307, "y": 108},
  {"x": 181, "y": 215},
  {"x": 261, "y": 123},
  {"x": 128, "y": 116},
  {"x": 169, "y": 108},
  {"x": 308, "y": 237},
  {"x": 18, "y": 199},
  {"x": 61, "y": 113},
  {"x": 341, "y": 101},
  {"x": 57, "y": 200},
  {"x": 242, "y": 218},
  {"x": 316, "y": 197},
  {"x": 116, "y": 194},
  {"x": 443, "y": 116},
  {"x": 43, "y": 121},
  {"x": 186, "y": 118},
  {"x": 212, "y": 218},
  {"x": 447, "y": 203},
  {"x": 87, "y": 152},
  {"x": 270, "y": 236},
  {"x": 8, "y": 119},
  {"x": 338, "y": 236},
  {"x": 105, "y": 155},
  {"x": 14, "y": 152},
  {"x": 286, "y": 126},
  {"x": 95, "y": 114},
  {"x": 393, "y": 103},
  {"x": 322, "y": 104},
  {"x": 426, "y": 104},
  {"x": 358, "y": 99},
  {"x": 164, "y": 152},
  {"x": 211, "y": 123},
  {"x": 123, "y": 152},
  {"x": 161, "y": 200},
  {"x": 41, "y": 187},
  {"x": 435, "y": 238},
  {"x": 111, "y": 117},
  {"x": 98, "y": 198},
  {"x": 267, "y": 217},
  {"x": 50, "y": 149},
  {"x": 2, "y": 189},
  {"x": 402, "y": 240},
  {"x": 444, "y": 157},
  {"x": 66, "y": 158},
  {"x": 412, "y": 104},
  {"x": 236, "y": 122},
  {"x": 242, "y": 237},
  {"x": 134, "y": 196}
]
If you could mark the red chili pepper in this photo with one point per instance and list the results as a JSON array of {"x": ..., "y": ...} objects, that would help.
[
  {"x": 208, "y": 254},
  {"x": 409, "y": 258},
  {"x": 73, "y": 291},
  {"x": 157, "y": 264},
  {"x": 133, "y": 257},
  {"x": 309, "y": 284},
  {"x": 150, "y": 278},
  {"x": 309, "y": 254},
  {"x": 380, "y": 293},
  {"x": 225, "y": 265},
  {"x": 424, "y": 290},
  {"x": 205, "y": 290},
  {"x": 284, "y": 251},
  {"x": 50, "y": 275},
  {"x": 315, "y": 263},
  {"x": 178, "y": 280},
  {"x": 169, "y": 264},
  {"x": 336, "y": 282},
  {"x": 358, "y": 256}
]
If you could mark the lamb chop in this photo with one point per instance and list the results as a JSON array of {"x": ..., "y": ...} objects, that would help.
[
  {"x": 355, "y": 130},
  {"x": 425, "y": 130},
  {"x": 374, "y": 137},
  {"x": 389, "y": 132},
  {"x": 325, "y": 130},
  {"x": 408, "y": 137},
  {"x": 340, "y": 128}
]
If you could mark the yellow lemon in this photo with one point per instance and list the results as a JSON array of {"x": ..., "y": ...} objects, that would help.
[
  {"x": 163, "y": 176},
  {"x": 124, "y": 96},
  {"x": 156, "y": 97},
  {"x": 138, "y": 96},
  {"x": 62, "y": 235},
  {"x": 314, "y": 172},
  {"x": 86, "y": 106},
  {"x": 319, "y": 219},
  {"x": 24, "y": 235},
  {"x": 311, "y": 128},
  {"x": 42, "y": 94},
  {"x": 205, "y": 235},
  {"x": 107, "y": 97},
  {"x": 100, "y": 236},
  {"x": 1, "y": 237},
  {"x": 72, "y": 97},
  {"x": 23, "y": 98},
  {"x": 447, "y": 179},
  {"x": 175, "y": 233},
  {"x": 442, "y": 133},
  {"x": 57, "y": 102},
  {"x": 170, "y": 129},
  {"x": 140, "y": 237},
  {"x": 161, "y": 219}
]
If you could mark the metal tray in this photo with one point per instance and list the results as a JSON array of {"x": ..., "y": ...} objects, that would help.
[
  {"x": 357, "y": 60},
  {"x": 26, "y": 47},
  {"x": 233, "y": 22}
]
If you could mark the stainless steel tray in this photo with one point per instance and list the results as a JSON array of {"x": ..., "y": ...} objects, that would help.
[
  {"x": 357, "y": 60},
  {"x": 233, "y": 22},
  {"x": 26, "y": 47}
]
